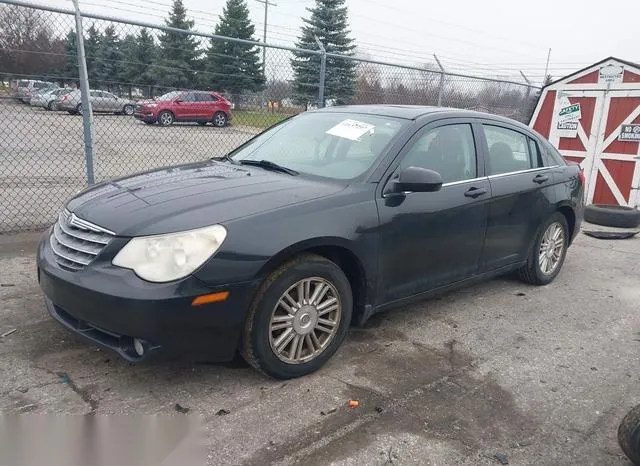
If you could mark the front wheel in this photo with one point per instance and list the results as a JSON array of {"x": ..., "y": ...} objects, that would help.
[
  {"x": 220, "y": 119},
  {"x": 549, "y": 250},
  {"x": 165, "y": 118},
  {"x": 298, "y": 318}
]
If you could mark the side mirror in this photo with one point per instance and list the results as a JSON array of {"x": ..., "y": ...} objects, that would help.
[
  {"x": 178, "y": 101},
  {"x": 416, "y": 180}
]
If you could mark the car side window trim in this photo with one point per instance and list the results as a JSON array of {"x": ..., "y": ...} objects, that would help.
[{"x": 519, "y": 172}]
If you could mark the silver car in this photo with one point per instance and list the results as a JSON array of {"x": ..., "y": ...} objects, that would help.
[
  {"x": 47, "y": 99},
  {"x": 101, "y": 101}
]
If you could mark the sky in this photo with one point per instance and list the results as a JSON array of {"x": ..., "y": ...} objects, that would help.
[{"x": 490, "y": 38}]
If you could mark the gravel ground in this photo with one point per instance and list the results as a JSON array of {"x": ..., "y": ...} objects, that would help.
[{"x": 541, "y": 375}]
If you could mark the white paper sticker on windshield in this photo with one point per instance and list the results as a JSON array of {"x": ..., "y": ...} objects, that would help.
[{"x": 351, "y": 129}]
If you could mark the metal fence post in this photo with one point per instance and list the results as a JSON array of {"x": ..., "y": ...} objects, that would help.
[
  {"x": 87, "y": 113},
  {"x": 323, "y": 72},
  {"x": 441, "y": 85},
  {"x": 525, "y": 110}
]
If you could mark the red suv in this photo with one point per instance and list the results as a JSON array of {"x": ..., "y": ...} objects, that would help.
[{"x": 198, "y": 106}]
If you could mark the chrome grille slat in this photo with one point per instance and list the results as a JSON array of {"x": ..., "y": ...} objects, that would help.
[
  {"x": 71, "y": 242},
  {"x": 76, "y": 242},
  {"x": 58, "y": 251}
]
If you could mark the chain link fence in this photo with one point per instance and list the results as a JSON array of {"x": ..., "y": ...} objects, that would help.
[{"x": 162, "y": 96}]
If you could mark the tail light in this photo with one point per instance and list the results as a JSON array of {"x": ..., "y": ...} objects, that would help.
[{"x": 65, "y": 97}]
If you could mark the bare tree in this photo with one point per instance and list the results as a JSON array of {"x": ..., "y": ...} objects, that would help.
[{"x": 27, "y": 44}]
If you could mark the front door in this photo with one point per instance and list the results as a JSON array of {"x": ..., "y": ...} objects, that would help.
[
  {"x": 433, "y": 239},
  {"x": 186, "y": 105},
  {"x": 521, "y": 187}
]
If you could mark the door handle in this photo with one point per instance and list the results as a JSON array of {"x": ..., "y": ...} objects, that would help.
[
  {"x": 475, "y": 192},
  {"x": 541, "y": 179}
]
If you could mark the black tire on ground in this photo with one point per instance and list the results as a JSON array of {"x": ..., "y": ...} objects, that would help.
[
  {"x": 220, "y": 119},
  {"x": 256, "y": 347},
  {"x": 78, "y": 109},
  {"x": 612, "y": 215},
  {"x": 165, "y": 118},
  {"x": 128, "y": 110},
  {"x": 71, "y": 112},
  {"x": 531, "y": 272},
  {"x": 50, "y": 105},
  {"x": 629, "y": 435}
]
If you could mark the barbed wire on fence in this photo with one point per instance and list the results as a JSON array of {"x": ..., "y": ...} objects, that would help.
[{"x": 42, "y": 152}]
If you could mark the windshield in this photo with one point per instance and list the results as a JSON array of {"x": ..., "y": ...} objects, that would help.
[
  {"x": 169, "y": 95},
  {"x": 340, "y": 146}
]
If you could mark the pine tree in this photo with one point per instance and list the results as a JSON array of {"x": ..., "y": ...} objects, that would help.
[
  {"x": 178, "y": 52},
  {"x": 91, "y": 47},
  {"x": 109, "y": 59},
  {"x": 140, "y": 55},
  {"x": 231, "y": 66},
  {"x": 70, "y": 71},
  {"x": 329, "y": 23}
]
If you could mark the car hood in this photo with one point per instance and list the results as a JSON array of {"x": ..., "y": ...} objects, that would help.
[{"x": 191, "y": 196}]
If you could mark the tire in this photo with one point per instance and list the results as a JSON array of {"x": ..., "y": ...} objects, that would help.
[
  {"x": 532, "y": 272},
  {"x": 612, "y": 215},
  {"x": 165, "y": 118},
  {"x": 629, "y": 435},
  {"x": 259, "y": 338},
  {"x": 53, "y": 106},
  {"x": 220, "y": 119},
  {"x": 128, "y": 110},
  {"x": 78, "y": 109}
]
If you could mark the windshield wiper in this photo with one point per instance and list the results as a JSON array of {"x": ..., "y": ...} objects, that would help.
[{"x": 269, "y": 166}]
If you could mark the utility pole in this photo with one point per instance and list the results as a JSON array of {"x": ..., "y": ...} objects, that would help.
[
  {"x": 546, "y": 68},
  {"x": 267, "y": 3}
]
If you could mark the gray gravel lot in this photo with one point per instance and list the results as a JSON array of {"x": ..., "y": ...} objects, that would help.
[
  {"x": 541, "y": 375},
  {"x": 42, "y": 161}
]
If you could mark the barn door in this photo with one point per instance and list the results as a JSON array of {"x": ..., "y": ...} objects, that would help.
[{"x": 615, "y": 172}]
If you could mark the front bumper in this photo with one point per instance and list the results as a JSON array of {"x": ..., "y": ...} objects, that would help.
[
  {"x": 149, "y": 117},
  {"x": 110, "y": 306}
]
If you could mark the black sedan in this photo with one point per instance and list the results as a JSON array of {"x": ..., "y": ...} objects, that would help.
[{"x": 313, "y": 225}]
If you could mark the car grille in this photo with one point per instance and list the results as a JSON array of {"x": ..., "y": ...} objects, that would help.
[{"x": 76, "y": 242}]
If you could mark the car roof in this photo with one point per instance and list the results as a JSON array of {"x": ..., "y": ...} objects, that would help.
[{"x": 413, "y": 112}]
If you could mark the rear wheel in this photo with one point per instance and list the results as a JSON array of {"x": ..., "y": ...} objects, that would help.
[
  {"x": 220, "y": 119},
  {"x": 549, "y": 250},
  {"x": 128, "y": 110},
  {"x": 298, "y": 318},
  {"x": 53, "y": 105},
  {"x": 165, "y": 118}
]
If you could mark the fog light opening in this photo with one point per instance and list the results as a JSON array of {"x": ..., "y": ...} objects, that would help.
[{"x": 139, "y": 347}]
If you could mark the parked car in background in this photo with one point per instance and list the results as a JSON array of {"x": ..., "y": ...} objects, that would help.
[
  {"x": 320, "y": 221},
  {"x": 201, "y": 107},
  {"x": 101, "y": 101},
  {"x": 47, "y": 99},
  {"x": 25, "y": 88}
]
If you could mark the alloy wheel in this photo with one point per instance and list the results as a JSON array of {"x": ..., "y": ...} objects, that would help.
[
  {"x": 305, "y": 320},
  {"x": 551, "y": 248}
]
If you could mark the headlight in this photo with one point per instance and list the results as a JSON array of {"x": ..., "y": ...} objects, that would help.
[{"x": 164, "y": 258}]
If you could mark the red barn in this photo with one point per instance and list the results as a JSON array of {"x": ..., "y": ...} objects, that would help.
[{"x": 593, "y": 117}]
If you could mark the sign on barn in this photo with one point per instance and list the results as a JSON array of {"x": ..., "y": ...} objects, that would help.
[{"x": 593, "y": 117}]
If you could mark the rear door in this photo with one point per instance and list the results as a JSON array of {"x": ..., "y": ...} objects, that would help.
[
  {"x": 522, "y": 193},
  {"x": 433, "y": 239},
  {"x": 110, "y": 102}
]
